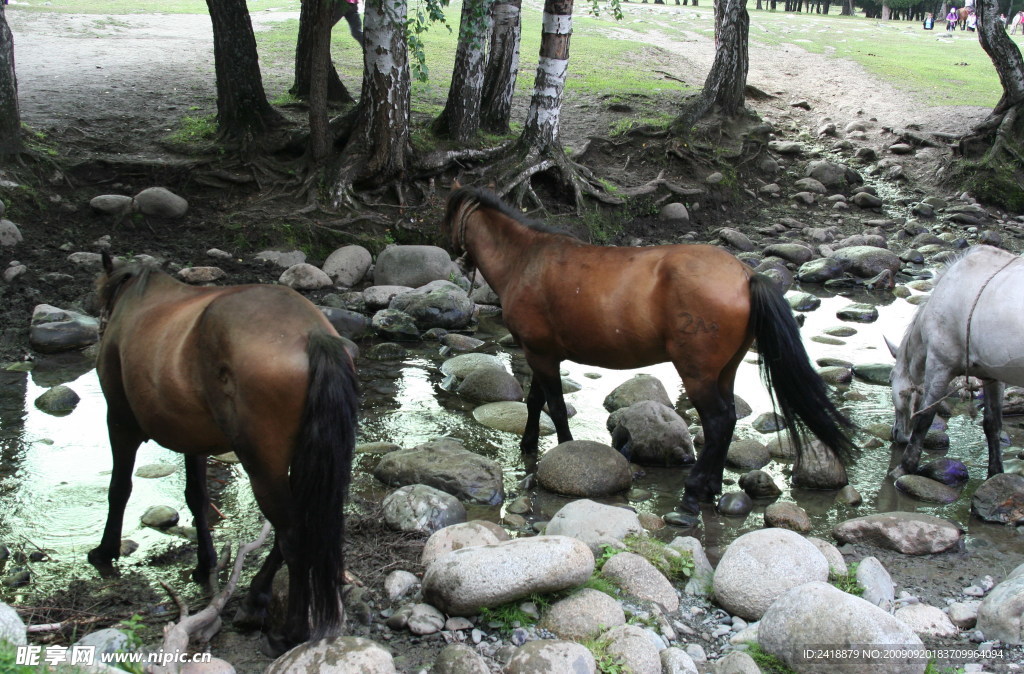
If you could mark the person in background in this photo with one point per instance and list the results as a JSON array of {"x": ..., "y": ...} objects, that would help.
[
  {"x": 929, "y": 21},
  {"x": 972, "y": 21},
  {"x": 951, "y": 19},
  {"x": 349, "y": 10},
  {"x": 1018, "y": 20}
]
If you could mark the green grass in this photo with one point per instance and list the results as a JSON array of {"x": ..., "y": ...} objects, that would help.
[
  {"x": 768, "y": 663},
  {"x": 607, "y": 662},
  {"x": 674, "y": 566},
  {"x": 144, "y": 7},
  {"x": 848, "y": 582}
]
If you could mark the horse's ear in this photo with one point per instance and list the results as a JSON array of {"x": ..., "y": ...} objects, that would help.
[
  {"x": 893, "y": 349},
  {"x": 108, "y": 262}
]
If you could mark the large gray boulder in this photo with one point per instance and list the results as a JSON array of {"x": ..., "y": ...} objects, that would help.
[
  {"x": 421, "y": 508},
  {"x": 818, "y": 614},
  {"x": 490, "y": 385},
  {"x": 335, "y": 655},
  {"x": 412, "y": 266},
  {"x": 464, "y": 581},
  {"x": 348, "y": 265},
  {"x": 160, "y": 201},
  {"x": 1001, "y": 613},
  {"x": 12, "y": 627},
  {"x": 761, "y": 565},
  {"x": 583, "y": 615},
  {"x": 833, "y": 175},
  {"x": 641, "y": 387},
  {"x": 595, "y": 524},
  {"x": 909, "y": 533},
  {"x": 547, "y": 655},
  {"x": 438, "y": 304},
  {"x": 584, "y": 468},
  {"x": 1000, "y": 499},
  {"x": 640, "y": 579},
  {"x": 54, "y": 330},
  {"x": 866, "y": 261},
  {"x": 446, "y": 465},
  {"x": 462, "y": 535},
  {"x": 651, "y": 434}
]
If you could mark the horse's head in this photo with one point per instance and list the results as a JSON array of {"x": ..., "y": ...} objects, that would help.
[
  {"x": 905, "y": 395},
  {"x": 114, "y": 279}
]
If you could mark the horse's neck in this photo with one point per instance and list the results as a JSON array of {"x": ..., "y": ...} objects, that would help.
[
  {"x": 913, "y": 351},
  {"x": 500, "y": 247}
]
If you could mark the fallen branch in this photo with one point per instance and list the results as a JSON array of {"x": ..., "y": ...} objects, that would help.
[{"x": 206, "y": 623}]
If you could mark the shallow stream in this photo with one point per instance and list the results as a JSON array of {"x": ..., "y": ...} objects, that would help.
[{"x": 54, "y": 470}]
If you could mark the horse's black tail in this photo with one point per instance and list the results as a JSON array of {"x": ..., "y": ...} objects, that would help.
[
  {"x": 788, "y": 375},
  {"x": 320, "y": 472}
]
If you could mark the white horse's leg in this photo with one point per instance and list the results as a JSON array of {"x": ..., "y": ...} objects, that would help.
[
  {"x": 936, "y": 384},
  {"x": 993, "y": 423}
]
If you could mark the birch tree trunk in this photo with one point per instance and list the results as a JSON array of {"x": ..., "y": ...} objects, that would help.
[
  {"x": 243, "y": 113},
  {"x": 10, "y": 116},
  {"x": 502, "y": 66},
  {"x": 378, "y": 148},
  {"x": 337, "y": 92},
  {"x": 541, "y": 129},
  {"x": 460, "y": 119},
  {"x": 886, "y": 12},
  {"x": 727, "y": 80},
  {"x": 992, "y": 154}
]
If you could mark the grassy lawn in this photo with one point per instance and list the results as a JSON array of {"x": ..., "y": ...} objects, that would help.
[{"x": 612, "y": 59}]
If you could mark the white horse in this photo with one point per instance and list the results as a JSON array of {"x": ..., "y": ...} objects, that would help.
[
  {"x": 1016, "y": 22},
  {"x": 973, "y": 324}
]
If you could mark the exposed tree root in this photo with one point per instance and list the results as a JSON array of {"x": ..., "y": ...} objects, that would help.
[
  {"x": 991, "y": 160},
  {"x": 206, "y": 623}
]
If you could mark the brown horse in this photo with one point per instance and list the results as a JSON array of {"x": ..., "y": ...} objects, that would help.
[
  {"x": 253, "y": 369},
  {"x": 625, "y": 308},
  {"x": 962, "y": 15}
]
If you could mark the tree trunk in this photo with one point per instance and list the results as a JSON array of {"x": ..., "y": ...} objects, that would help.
[
  {"x": 243, "y": 113},
  {"x": 847, "y": 9},
  {"x": 319, "y": 59},
  {"x": 10, "y": 117},
  {"x": 460, "y": 119},
  {"x": 502, "y": 66},
  {"x": 727, "y": 80},
  {"x": 378, "y": 147},
  {"x": 886, "y": 12},
  {"x": 337, "y": 92},
  {"x": 992, "y": 164},
  {"x": 541, "y": 129}
]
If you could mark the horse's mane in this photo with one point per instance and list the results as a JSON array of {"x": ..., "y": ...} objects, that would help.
[
  {"x": 110, "y": 285},
  {"x": 487, "y": 199}
]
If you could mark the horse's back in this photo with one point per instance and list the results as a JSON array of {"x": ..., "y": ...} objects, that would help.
[
  {"x": 984, "y": 290},
  {"x": 623, "y": 307}
]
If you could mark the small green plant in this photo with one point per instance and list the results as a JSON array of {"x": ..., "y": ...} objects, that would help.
[
  {"x": 674, "y": 564},
  {"x": 507, "y": 617},
  {"x": 607, "y": 662},
  {"x": 194, "y": 129},
  {"x": 131, "y": 627},
  {"x": 935, "y": 668},
  {"x": 602, "y": 584},
  {"x": 284, "y": 99},
  {"x": 847, "y": 582},
  {"x": 767, "y": 662}
]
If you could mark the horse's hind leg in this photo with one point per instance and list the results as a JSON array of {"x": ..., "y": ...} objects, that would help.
[
  {"x": 125, "y": 438},
  {"x": 718, "y": 420},
  {"x": 993, "y": 424},
  {"x": 197, "y": 496}
]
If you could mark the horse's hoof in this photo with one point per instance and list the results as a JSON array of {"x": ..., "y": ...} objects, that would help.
[
  {"x": 103, "y": 564},
  {"x": 274, "y": 645},
  {"x": 247, "y": 618}
]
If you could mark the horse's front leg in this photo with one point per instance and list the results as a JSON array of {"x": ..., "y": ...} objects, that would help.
[
  {"x": 545, "y": 385},
  {"x": 197, "y": 496},
  {"x": 936, "y": 384},
  {"x": 993, "y": 424},
  {"x": 125, "y": 439}
]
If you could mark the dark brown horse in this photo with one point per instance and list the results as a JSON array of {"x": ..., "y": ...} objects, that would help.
[
  {"x": 623, "y": 308},
  {"x": 253, "y": 369}
]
